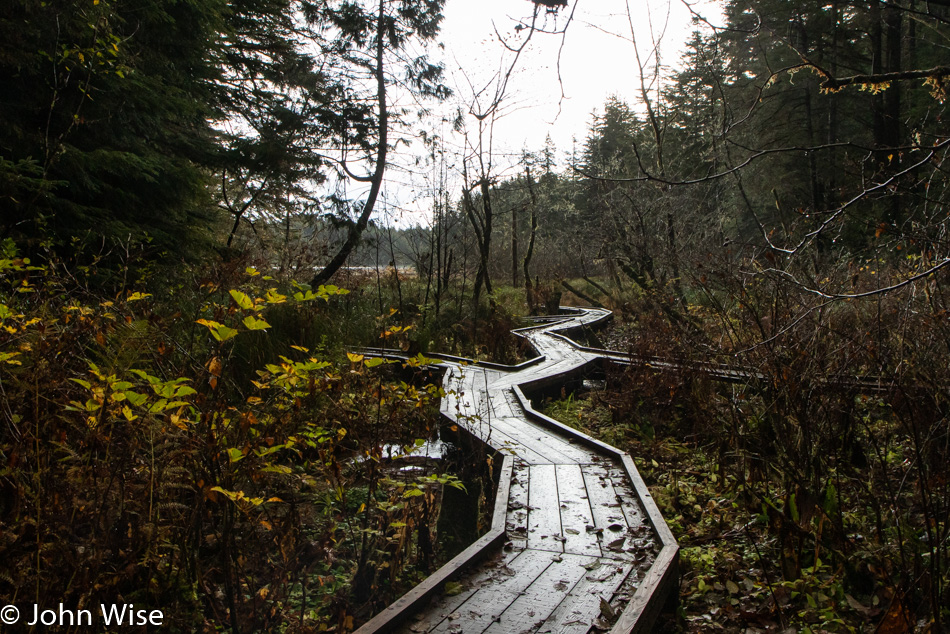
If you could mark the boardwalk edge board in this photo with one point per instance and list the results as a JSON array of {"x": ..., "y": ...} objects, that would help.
[
  {"x": 400, "y": 610},
  {"x": 659, "y": 581}
]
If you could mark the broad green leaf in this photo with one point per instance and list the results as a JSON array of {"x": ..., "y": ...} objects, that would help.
[
  {"x": 235, "y": 454},
  {"x": 219, "y": 331},
  {"x": 253, "y": 323},
  {"x": 305, "y": 297},
  {"x": 223, "y": 333},
  {"x": 242, "y": 300}
]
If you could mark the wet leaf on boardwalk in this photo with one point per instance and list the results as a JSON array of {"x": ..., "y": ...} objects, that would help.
[
  {"x": 452, "y": 588},
  {"x": 616, "y": 545},
  {"x": 605, "y": 610}
]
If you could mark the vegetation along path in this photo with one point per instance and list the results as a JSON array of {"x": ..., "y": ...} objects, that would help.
[{"x": 576, "y": 541}]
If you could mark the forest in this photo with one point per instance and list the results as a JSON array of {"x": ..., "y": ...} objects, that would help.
[{"x": 193, "y": 253}]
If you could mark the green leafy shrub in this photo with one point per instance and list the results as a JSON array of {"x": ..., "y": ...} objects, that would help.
[{"x": 142, "y": 461}]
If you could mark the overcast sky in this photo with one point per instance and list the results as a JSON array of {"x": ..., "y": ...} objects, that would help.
[{"x": 597, "y": 59}]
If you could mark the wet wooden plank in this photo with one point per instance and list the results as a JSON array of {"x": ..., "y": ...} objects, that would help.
[
  {"x": 494, "y": 596},
  {"x": 632, "y": 509},
  {"x": 576, "y": 514},
  {"x": 544, "y": 517},
  {"x": 610, "y": 522},
  {"x": 543, "y": 597},
  {"x": 638, "y": 541},
  {"x": 581, "y": 607},
  {"x": 516, "y": 520},
  {"x": 439, "y": 608},
  {"x": 497, "y": 404},
  {"x": 501, "y": 441},
  {"x": 554, "y": 449}
]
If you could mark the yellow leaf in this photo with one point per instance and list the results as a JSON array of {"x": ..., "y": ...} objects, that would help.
[
  {"x": 177, "y": 422},
  {"x": 242, "y": 300},
  {"x": 354, "y": 358},
  {"x": 7, "y": 357},
  {"x": 253, "y": 323}
]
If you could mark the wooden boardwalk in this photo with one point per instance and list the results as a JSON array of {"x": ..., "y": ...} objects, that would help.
[{"x": 576, "y": 540}]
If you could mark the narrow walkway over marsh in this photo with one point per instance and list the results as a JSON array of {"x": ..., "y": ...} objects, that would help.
[{"x": 576, "y": 537}]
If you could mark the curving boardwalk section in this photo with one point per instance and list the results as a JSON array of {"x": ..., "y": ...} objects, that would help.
[{"x": 576, "y": 539}]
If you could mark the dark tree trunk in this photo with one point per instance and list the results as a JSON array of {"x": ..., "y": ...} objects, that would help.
[
  {"x": 376, "y": 181},
  {"x": 530, "y": 292}
]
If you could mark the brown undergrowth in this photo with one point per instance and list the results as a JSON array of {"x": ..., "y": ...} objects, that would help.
[{"x": 802, "y": 500}]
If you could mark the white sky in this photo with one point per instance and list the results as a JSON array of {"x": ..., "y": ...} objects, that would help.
[{"x": 597, "y": 59}]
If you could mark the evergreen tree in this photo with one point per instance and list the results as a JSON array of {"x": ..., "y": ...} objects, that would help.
[{"x": 106, "y": 112}]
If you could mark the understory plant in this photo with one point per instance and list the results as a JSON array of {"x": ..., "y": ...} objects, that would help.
[{"x": 142, "y": 462}]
